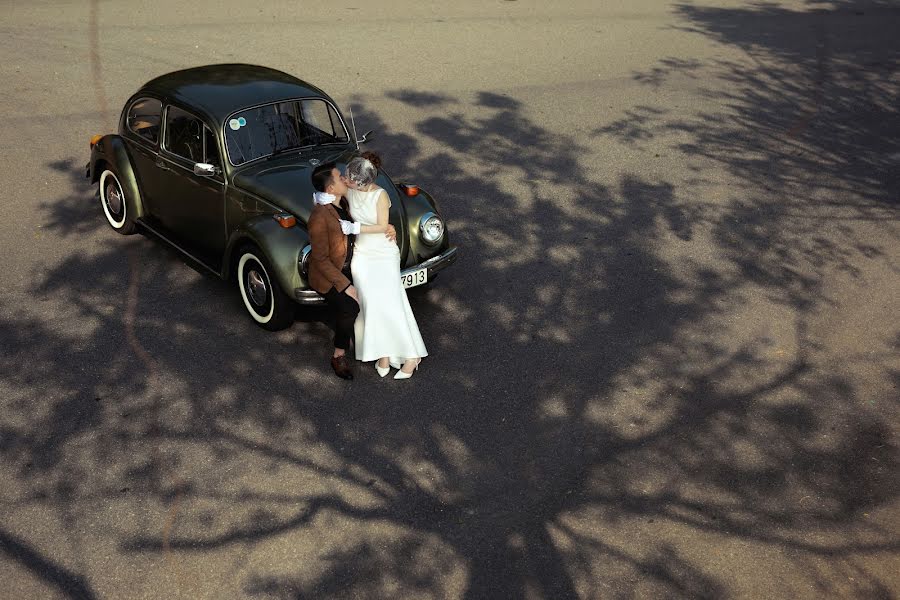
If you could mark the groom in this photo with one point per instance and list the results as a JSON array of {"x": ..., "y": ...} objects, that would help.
[{"x": 329, "y": 259}]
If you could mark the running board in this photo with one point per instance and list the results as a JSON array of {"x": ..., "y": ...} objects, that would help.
[{"x": 163, "y": 237}]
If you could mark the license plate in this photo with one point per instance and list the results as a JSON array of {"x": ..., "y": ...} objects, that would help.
[{"x": 414, "y": 278}]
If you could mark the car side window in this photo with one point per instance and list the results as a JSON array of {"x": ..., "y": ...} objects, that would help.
[
  {"x": 210, "y": 148},
  {"x": 144, "y": 118},
  {"x": 184, "y": 135}
]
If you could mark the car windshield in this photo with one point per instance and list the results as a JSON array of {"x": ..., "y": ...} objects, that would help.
[{"x": 273, "y": 128}]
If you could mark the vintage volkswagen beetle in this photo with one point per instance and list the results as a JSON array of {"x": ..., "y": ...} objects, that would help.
[{"x": 216, "y": 161}]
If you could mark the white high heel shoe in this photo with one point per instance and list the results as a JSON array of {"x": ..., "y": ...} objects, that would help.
[
  {"x": 382, "y": 371},
  {"x": 402, "y": 375}
]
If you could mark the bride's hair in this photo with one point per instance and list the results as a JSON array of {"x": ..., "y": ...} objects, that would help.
[
  {"x": 363, "y": 170},
  {"x": 372, "y": 158}
]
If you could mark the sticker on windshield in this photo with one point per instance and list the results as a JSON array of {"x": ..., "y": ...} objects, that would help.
[
  {"x": 242, "y": 121},
  {"x": 234, "y": 124}
]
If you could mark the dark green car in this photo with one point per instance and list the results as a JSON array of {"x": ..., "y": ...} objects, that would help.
[{"x": 216, "y": 161}]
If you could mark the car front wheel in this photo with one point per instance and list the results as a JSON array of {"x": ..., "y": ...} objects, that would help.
[
  {"x": 263, "y": 297},
  {"x": 115, "y": 207}
]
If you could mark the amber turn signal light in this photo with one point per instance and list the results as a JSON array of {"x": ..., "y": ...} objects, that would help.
[
  {"x": 95, "y": 139},
  {"x": 286, "y": 221},
  {"x": 410, "y": 189}
]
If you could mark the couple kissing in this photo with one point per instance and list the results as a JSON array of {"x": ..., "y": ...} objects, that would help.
[{"x": 355, "y": 265}]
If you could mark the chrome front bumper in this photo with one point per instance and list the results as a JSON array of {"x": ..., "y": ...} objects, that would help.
[
  {"x": 309, "y": 297},
  {"x": 438, "y": 263}
]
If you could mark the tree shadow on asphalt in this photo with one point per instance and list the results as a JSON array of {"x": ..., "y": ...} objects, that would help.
[
  {"x": 606, "y": 429},
  {"x": 66, "y": 582}
]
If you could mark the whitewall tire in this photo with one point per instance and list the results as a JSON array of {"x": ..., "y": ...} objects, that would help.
[
  {"x": 114, "y": 203},
  {"x": 260, "y": 292}
]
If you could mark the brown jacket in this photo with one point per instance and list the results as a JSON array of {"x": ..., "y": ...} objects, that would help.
[{"x": 329, "y": 250}]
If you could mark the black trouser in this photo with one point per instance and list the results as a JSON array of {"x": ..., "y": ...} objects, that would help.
[{"x": 346, "y": 309}]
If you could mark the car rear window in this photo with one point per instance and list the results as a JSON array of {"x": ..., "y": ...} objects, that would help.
[{"x": 144, "y": 118}]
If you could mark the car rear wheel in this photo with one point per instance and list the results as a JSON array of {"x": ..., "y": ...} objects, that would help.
[
  {"x": 263, "y": 297},
  {"x": 114, "y": 203}
]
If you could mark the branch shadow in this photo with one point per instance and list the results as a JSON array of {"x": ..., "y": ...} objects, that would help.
[{"x": 67, "y": 583}]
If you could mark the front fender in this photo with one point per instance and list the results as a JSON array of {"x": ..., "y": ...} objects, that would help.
[
  {"x": 280, "y": 245},
  {"x": 111, "y": 152},
  {"x": 417, "y": 207}
]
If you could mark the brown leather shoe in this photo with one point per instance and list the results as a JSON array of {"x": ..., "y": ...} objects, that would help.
[{"x": 341, "y": 367}]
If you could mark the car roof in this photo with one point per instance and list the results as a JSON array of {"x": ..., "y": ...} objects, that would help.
[{"x": 220, "y": 90}]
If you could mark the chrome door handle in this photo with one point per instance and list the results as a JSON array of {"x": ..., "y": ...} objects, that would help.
[{"x": 162, "y": 165}]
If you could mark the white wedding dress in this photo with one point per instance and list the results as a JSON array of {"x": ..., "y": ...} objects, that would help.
[{"x": 385, "y": 325}]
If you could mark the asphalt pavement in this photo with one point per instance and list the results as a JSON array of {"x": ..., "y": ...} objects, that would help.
[{"x": 666, "y": 364}]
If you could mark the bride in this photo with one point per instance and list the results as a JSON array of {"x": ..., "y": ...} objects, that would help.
[{"x": 385, "y": 329}]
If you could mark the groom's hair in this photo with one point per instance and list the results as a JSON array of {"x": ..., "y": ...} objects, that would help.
[{"x": 321, "y": 176}]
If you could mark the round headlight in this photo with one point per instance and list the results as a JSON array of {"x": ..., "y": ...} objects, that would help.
[
  {"x": 303, "y": 262},
  {"x": 432, "y": 228}
]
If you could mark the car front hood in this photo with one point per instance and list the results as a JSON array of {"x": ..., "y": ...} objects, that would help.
[
  {"x": 286, "y": 184},
  {"x": 287, "y": 181}
]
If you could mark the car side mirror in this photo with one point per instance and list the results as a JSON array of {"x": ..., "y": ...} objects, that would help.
[
  {"x": 365, "y": 137},
  {"x": 204, "y": 169}
]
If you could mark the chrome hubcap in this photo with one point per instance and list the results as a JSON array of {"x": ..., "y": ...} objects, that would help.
[
  {"x": 114, "y": 199},
  {"x": 256, "y": 287}
]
